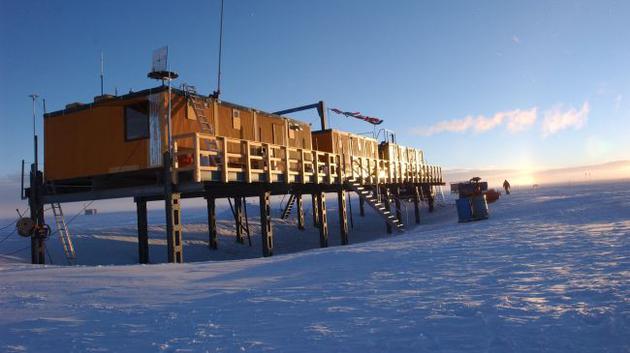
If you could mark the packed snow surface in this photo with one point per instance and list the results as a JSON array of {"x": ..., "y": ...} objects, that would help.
[{"x": 548, "y": 272}]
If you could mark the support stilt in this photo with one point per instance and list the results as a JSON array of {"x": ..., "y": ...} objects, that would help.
[
  {"x": 249, "y": 236},
  {"x": 265, "y": 223},
  {"x": 38, "y": 250},
  {"x": 427, "y": 192},
  {"x": 315, "y": 210},
  {"x": 416, "y": 203},
  {"x": 343, "y": 217},
  {"x": 173, "y": 214},
  {"x": 431, "y": 200},
  {"x": 361, "y": 207},
  {"x": 300, "y": 211},
  {"x": 174, "y": 228},
  {"x": 388, "y": 207},
  {"x": 350, "y": 212},
  {"x": 323, "y": 226},
  {"x": 398, "y": 205},
  {"x": 212, "y": 223},
  {"x": 38, "y": 240},
  {"x": 238, "y": 219},
  {"x": 143, "y": 231}
]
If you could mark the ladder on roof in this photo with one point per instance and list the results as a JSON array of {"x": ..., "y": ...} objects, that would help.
[
  {"x": 64, "y": 234},
  {"x": 198, "y": 104},
  {"x": 287, "y": 209},
  {"x": 377, "y": 205}
]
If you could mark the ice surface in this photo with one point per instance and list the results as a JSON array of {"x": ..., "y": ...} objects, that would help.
[{"x": 548, "y": 272}]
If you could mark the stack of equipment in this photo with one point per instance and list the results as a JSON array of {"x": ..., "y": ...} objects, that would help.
[{"x": 472, "y": 204}]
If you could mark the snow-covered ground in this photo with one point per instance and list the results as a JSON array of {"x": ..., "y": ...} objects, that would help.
[{"x": 548, "y": 272}]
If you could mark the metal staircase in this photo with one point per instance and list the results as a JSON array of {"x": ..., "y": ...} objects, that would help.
[
  {"x": 378, "y": 206},
  {"x": 64, "y": 234},
  {"x": 440, "y": 198},
  {"x": 287, "y": 209}
]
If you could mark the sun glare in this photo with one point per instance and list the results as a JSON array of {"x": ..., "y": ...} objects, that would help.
[
  {"x": 524, "y": 179},
  {"x": 525, "y": 174}
]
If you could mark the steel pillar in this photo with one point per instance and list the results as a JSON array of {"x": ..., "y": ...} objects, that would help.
[
  {"x": 361, "y": 207},
  {"x": 323, "y": 225},
  {"x": 343, "y": 217},
  {"x": 174, "y": 228},
  {"x": 265, "y": 223},
  {"x": 143, "y": 231},
  {"x": 315, "y": 210},
  {"x": 212, "y": 223},
  {"x": 173, "y": 214},
  {"x": 238, "y": 219},
  {"x": 398, "y": 206},
  {"x": 416, "y": 203},
  {"x": 300, "y": 211},
  {"x": 38, "y": 239}
]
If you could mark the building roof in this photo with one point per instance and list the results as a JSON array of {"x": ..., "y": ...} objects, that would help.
[{"x": 135, "y": 95}]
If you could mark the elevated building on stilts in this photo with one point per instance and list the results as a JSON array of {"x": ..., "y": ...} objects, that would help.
[{"x": 116, "y": 146}]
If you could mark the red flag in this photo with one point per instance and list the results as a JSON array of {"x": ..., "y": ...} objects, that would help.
[{"x": 357, "y": 115}]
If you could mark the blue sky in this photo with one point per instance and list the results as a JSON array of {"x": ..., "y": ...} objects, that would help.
[{"x": 503, "y": 84}]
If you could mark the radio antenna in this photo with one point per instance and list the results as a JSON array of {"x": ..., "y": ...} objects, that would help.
[
  {"x": 102, "y": 72},
  {"x": 218, "y": 91},
  {"x": 34, "y": 98}
]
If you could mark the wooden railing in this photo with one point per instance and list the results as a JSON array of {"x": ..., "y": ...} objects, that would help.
[
  {"x": 224, "y": 159},
  {"x": 379, "y": 171}
]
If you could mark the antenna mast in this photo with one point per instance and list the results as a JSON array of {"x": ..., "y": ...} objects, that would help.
[
  {"x": 218, "y": 91},
  {"x": 102, "y": 71},
  {"x": 34, "y": 98}
]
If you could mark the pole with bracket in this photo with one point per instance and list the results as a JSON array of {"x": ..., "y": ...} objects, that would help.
[
  {"x": 171, "y": 198},
  {"x": 38, "y": 238}
]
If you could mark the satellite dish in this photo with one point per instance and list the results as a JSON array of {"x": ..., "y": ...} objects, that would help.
[
  {"x": 159, "y": 66},
  {"x": 25, "y": 226}
]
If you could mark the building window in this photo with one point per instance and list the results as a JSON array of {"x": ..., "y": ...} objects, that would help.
[
  {"x": 236, "y": 119},
  {"x": 137, "y": 121}
]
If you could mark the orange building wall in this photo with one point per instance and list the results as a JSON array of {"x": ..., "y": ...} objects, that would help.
[
  {"x": 254, "y": 125},
  {"x": 90, "y": 142}
]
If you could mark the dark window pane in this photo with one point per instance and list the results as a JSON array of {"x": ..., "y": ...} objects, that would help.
[{"x": 137, "y": 121}]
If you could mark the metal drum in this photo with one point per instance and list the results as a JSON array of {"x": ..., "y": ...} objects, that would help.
[
  {"x": 479, "y": 207},
  {"x": 464, "y": 209}
]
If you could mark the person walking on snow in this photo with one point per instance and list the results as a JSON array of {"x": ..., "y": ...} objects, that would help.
[{"x": 506, "y": 186}]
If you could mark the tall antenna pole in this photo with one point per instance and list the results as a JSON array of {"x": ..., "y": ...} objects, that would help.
[
  {"x": 34, "y": 98},
  {"x": 102, "y": 71},
  {"x": 170, "y": 121},
  {"x": 218, "y": 91}
]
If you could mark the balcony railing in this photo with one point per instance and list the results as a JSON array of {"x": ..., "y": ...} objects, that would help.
[{"x": 224, "y": 159}]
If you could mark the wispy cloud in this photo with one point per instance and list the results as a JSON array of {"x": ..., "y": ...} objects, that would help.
[
  {"x": 520, "y": 120},
  {"x": 455, "y": 125},
  {"x": 517, "y": 120},
  {"x": 561, "y": 118},
  {"x": 555, "y": 119}
]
